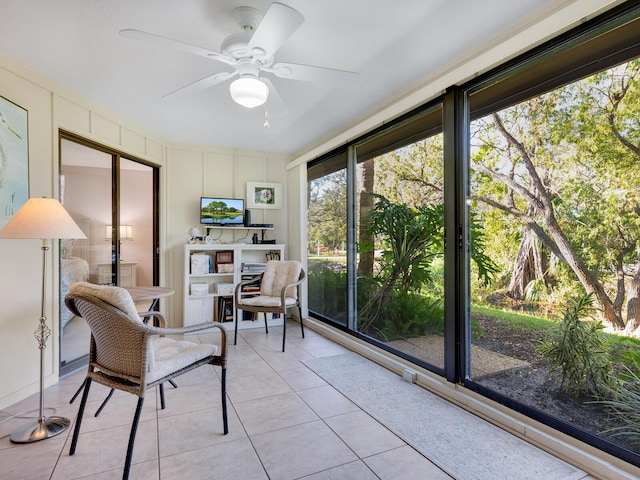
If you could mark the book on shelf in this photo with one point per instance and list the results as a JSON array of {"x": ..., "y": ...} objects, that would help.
[
  {"x": 252, "y": 267},
  {"x": 223, "y": 311}
]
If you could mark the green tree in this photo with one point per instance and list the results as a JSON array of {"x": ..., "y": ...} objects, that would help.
[
  {"x": 556, "y": 164},
  {"x": 327, "y": 215}
]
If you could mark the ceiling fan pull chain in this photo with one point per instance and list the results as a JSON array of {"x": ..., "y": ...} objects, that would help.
[{"x": 266, "y": 118}]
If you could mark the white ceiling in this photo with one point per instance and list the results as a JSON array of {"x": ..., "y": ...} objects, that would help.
[{"x": 395, "y": 45}]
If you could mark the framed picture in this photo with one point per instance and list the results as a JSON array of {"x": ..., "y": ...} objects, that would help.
[
  {"x": 224, "y": 262},
  {"x": 224, "y": 257},
  {"x": 14, "y": 159},
  {"x": 264, "y": 195}
]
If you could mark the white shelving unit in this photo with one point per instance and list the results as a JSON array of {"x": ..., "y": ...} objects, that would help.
[{"x": 201, "y": 289}]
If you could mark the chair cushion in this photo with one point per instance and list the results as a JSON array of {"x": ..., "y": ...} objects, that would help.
[
  {"x": 277, "y": 274},
  {"x": 170, "y": 355},
  {"x": 266, "y": 301},
  {"x": 116, "y": 296}
]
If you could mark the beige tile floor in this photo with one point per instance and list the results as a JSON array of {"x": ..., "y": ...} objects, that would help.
[{"x": 285, "y": 423}]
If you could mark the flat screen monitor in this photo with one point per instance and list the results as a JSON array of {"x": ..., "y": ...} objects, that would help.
[{"x": 221, "y": 211}]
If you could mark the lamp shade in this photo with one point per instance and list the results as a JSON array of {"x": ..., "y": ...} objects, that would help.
[
  {"x": 126, "y": 232},
  {"x": 249, "y": 91},
  {"x": 43, "y": 218}
]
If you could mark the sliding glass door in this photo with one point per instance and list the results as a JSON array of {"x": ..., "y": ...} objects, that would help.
[
  {"x": 492, "y": 235},
  {"x": 114, "y": 201}
]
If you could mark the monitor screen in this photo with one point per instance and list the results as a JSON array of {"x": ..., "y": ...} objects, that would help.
[{"x": 221, "y": 211}]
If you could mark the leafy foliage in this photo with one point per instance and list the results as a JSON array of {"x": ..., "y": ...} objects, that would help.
[
  {"x": 579, "y": 350},
  {"x": 407, "y": 315},
  {"x": 624, "y": 404},
  {"x": 327, "y": 290}
]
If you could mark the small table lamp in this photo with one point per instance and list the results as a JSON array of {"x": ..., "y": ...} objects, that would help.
[{"x": 43, "y": 218}]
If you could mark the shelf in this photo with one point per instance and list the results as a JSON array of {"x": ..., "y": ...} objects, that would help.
[
  {"x": 202, "y": 308},
  {"x": 209, "y": 227},
  {"x": 230, "y": 274},
  {"x": 243, "y": 227},
  {"x": 208, "y": 295}
]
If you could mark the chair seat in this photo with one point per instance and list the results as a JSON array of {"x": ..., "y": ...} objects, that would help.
[
  {"x": 266, "y": 301},
  {"x": 170, "y": 355}
]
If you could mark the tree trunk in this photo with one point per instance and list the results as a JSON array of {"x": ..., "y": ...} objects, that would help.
[
  {"x": 589, "y": 281},
  {"x": 540, "y": 200},
  {"x": 530, "y": 264},
  {"x": 366, "y": 257},
  {"x": 633, "y": 305}
]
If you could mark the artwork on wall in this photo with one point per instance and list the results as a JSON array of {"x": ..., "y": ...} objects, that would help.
[
  {"x": 264, "y": 195},
  {"x": 14, "y": 159}
]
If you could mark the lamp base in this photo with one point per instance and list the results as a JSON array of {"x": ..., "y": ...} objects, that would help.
[{"x": 39, "y": 429}]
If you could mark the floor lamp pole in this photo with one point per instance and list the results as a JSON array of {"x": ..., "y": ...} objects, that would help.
[{"x": 43, "y": 427}]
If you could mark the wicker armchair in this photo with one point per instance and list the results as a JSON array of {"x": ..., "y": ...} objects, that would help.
[
  {"x": 128, "y": 355},
  {"x": 280, "y": 288}
]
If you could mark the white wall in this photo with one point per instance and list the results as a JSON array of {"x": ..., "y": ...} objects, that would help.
[{"x": 209, "y": 171}]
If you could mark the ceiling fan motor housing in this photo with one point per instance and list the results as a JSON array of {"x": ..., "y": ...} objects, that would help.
[{"x": 248, "y": 18}]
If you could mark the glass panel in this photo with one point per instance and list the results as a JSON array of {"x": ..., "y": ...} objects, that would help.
[
  {"x": 85, "y": 191},
  {"x": 327, "y": 237},
  {"x": 136, "y": 220},
  {"x": 555, "y": 195},
  {"x": 400, "y": 235}
]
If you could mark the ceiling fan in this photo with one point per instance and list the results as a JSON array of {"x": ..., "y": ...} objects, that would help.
[{"x": 251, "y": 54}]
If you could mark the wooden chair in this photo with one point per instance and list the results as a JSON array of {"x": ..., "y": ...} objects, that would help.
[
  {"x": 280, "y": 288},
  {"x": 128, "y": 355}
]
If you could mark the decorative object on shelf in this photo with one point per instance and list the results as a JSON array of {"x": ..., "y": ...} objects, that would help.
[
  {"x": 200, "y": 264},
  {"x": 14, "y": 159},
  {"x": 273, "y": 255},
  {"x": 264, "y": 195},
  {"x": 199, "y": 289},
  {"x": 224, "y": 288},
  {"x": 195, "y": 234},
  {"x": 224, "y": 261},
  {"x": 43, "y": 218}
]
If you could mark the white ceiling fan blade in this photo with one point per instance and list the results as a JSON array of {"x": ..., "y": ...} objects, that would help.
[
  {"x": 276, "y": 26},
  {"x": 202, "y": 84},
  {"x": 276, "y": 107},
  {"x": 176, "y": 45},
  {"x": 321, "y": 75}
]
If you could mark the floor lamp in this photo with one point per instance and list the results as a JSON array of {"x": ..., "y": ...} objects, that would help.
[{"x": 43, "y": 218}]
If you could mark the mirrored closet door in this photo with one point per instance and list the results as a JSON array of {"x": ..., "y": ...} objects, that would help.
[{"x": 113, "y": 199}]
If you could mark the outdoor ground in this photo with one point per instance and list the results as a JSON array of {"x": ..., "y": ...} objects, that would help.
[{"x": 533, "y": 384}]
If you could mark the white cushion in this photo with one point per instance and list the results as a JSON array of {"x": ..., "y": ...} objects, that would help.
[
  {"x": 116, "y": 296},
  {"x": 266, "y": 301},
  {"x": 172, "y": 355},
  {"x": 279, "y": 273}
]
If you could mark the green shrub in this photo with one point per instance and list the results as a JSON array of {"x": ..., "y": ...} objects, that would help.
[
  {"x": 327, "y": 290},
  {"x": 406, "y": 315},
  {"x": 579, "y": 350},
  {"x": 624, "y": 404}
]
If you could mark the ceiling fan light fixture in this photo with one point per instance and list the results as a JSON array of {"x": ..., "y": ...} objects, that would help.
[{"x": 249, "y": 92}]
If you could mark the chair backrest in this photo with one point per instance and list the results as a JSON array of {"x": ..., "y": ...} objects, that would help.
[
  {"x": 277, "y": 274},
  {"x": 116, "y": 296},
  {"x": 119, "y": 343}
]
